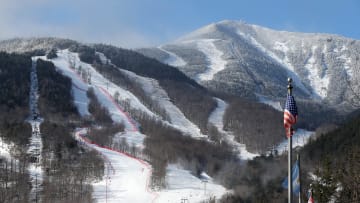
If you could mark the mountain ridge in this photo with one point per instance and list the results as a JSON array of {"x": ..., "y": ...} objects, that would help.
[{"x": 259, "y": 59}]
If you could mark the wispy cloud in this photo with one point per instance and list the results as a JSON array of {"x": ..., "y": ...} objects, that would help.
[{"x": 80, "y": 20}]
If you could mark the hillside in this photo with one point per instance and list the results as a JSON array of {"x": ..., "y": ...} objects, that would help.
[
  {"x": 253, "y": 61},
  {"x": 128, "y": 108}
]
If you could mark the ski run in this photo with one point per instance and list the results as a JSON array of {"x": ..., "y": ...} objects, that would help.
[
  {"x": 216, "y": 118},
  {"x": 126, "y": 178}
]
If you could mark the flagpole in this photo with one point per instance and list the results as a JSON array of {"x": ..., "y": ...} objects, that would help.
[
  {"x": 298, "y": 159},
  {"x": 289, "y": 87}
]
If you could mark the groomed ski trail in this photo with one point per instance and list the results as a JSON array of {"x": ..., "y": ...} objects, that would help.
[
  {"x": 126, "y": 178},
  {"x": 216, "y": 118}
]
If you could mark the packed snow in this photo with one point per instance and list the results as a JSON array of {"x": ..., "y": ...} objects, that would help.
[
  {"x": 173, "y": 59},
  {"x": 35, "y": 146},
  {"x": 299, "y": 139},
  {"x": 126, "y": 179},
  {"x": 70, "y": 65},
  {"x": 177, "y": 119},
  {"x": 182, "y": 186},
  {"x": 317, "y": 82},
  {"x": 214, "y": 56},
  {"x": 216, "y": 118},
  {"x": 159, "y": 95}
]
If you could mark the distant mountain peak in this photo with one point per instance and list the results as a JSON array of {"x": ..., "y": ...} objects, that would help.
[{"x": 248, "y": 60}]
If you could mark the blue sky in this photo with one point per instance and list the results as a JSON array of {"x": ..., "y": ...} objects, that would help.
[{"x": 138, "y": 23}]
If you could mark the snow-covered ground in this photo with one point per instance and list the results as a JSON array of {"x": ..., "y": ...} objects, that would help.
[
  {"x": 216, "y": 118},
  {"x": 214, "y": 56},
  {"x": 347, "y": 64},
  {"x": 317, "y": 82},
  {"x": 5, "y": 149},
  {"x": 126, "y": 178},
  {"x": 284, "y": 62},
  {"x": 173, "y": 60},
  {"x": 35, "y": 146},
  {"x": 185, "y": 187},
  {"x": 69, "y": 64},
  {"x": 299, "y": 139},
  {"x": 159, "y": 95}
]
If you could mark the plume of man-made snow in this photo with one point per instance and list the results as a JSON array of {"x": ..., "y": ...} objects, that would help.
[
  {"x": 216, "y": 118},
  {"x": 173, "y": 59},
  {"x": 275, "y": 104},
  {"x": 300, "y": 138},
  {"x": 182, "y": 186}
]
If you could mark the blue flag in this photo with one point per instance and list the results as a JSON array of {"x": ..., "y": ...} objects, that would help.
[{"x": 295, "y": 179}]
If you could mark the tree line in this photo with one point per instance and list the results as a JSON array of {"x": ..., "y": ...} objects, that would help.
[{"x": 14, "y": 98}]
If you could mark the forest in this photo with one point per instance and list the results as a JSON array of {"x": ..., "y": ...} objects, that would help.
[
  {"x": 14, "y": 98},
  {"x": 184, "y": 92},
  {"x": 69, "y": 166}
]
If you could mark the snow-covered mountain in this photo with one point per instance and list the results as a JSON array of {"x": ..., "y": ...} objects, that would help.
[{"x": 254, "y": 61}]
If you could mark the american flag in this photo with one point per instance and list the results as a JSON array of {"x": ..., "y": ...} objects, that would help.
[
  {"x": 311, "y": 199},
  {"x": 290, "y": 114}
]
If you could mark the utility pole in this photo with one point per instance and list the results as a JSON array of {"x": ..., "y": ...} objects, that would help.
[{"x": 290, "y": 189}]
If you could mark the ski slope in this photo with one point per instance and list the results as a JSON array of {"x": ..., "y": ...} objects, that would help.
[
  {"x": 68, "y": 63},
  {"x": 177, "y": 119},
  {"x": 185, "y": 187},
  {"x": 126, "y": 178},
  {"x": 299, "y": 139},
  {"x": 214, "y": 56},
  {"x": 216, "y": 118}
]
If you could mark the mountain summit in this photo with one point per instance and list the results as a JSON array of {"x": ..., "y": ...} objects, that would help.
[{"x": 254, "y": 62}]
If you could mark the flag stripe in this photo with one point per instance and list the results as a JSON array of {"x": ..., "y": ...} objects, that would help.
[{"x": 290, "y": 114}]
